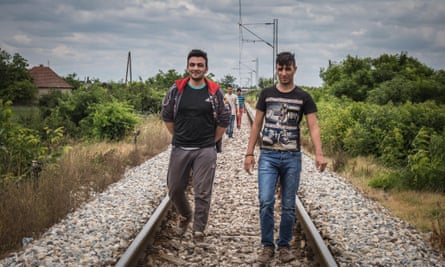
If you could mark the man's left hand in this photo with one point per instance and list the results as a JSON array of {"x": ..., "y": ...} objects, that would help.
[{"x": 320, "y": 163}]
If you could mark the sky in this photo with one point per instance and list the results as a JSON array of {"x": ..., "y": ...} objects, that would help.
[{"x": 93, "y": 38}]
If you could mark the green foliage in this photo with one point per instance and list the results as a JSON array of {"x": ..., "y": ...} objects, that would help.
[
  {"x": 19, "y": 146},
  {"x": 162, "y": 81},
  {"x": 265, "y": 82},
  {"x": 358, "y": 140},
  {"x": 352, "y": 79},
  {"x": 334, "y": 119},
  {"x": 50, "y": 101},
  {"x": 145, "y": 98},
  {"x": 21, "y": 92},
  {"x": 404, "y": 138},
  {"x": 27, "y": 116},
  {"x": 392, "y": 148},
  {"x": 388, "y": 78},
  {"x": 73, "y": 81},
  {"x": 78, "y": 107},
  {"x": 110, "y": 121},
  {"x": 426, "y": 161},
  {"x": 15, "y": 80},
  {"x": 397, "y": 90},
  {"x": 226, "y": 80},
  {"x": 384, "y": 181},
  {"x": 52, "y": 143}
]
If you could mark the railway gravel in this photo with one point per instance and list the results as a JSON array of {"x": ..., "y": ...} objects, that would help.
[{"x": 359, "y": 231}]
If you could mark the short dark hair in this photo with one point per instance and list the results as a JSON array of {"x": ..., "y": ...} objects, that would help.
[
  {"x": 286, "y": 59},
  {"x": 197, "y": 53}
]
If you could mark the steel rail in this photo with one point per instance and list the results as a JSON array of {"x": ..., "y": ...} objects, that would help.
[
  {"x": 322, "y": 254},
  {"x": 146, "y": 236}
]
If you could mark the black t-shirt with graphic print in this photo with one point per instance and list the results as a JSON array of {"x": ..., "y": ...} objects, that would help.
[{"x": 283, "y": 114}]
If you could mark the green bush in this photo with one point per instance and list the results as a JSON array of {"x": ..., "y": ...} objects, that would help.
[
  {"x": 18, "y": 146},
  {"x": 384, "y": 181},
  {"x": 392, "y": 149},
  {"x": 426, "y": 161},
  {"x": 110, "y": 121}
]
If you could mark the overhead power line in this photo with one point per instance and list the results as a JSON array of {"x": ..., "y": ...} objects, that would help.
[{"x": 273, "y": 45}]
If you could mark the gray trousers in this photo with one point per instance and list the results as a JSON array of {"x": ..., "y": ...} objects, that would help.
[{"x": 201, "y": 164}]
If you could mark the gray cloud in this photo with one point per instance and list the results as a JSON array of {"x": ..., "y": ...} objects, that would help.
[{"x": 92, "y": 38}]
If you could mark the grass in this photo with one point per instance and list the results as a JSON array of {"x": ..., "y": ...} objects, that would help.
[
  {"x": 424, "y": 210},
  {"x": 28, "y": 208}
]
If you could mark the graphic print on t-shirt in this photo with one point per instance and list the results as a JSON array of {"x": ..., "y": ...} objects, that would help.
[{"x": 281, "y": 131}]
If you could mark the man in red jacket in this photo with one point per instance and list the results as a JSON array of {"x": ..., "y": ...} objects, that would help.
[{"x": 194, "y": 113}]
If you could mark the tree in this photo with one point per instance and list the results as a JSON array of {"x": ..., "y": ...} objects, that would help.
[
  {"x": 265, "y": 82},
  {"x": 162, "y": 80},
  {"x": 396, "y": 78},
  {"x": 111, "y": 120},
  {"x": 226, "y": 80},
  {"x": 15, "y": 80},
  {"x": 73, "y": 81}
]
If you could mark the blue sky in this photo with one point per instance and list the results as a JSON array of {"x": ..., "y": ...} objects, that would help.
[{"x": 92, "y": 38}]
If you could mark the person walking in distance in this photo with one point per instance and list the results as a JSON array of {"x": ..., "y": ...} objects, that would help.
[
  {"x": 281, "y": 107},
  {"x": 233, "y": 102},
  {"x": 194, "y": 114},
  {"x": 219, "y": 142},
  {"x": 241, "y": 100}
]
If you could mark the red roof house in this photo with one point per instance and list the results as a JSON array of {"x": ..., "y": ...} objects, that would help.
[{"x": 46, "y": 80}]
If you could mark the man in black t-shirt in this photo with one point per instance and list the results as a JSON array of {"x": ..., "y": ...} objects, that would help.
[
  {"x": 279, "y": 111},
  {"x": 194, "y": 113}
]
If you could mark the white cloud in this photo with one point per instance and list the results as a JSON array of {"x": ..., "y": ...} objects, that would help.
[
  {"x": 22, "y": 39},
  {"x": 92, "y": 38},
  {"x": 64, "y": 52},
  {"x": 359, "y": 32}
]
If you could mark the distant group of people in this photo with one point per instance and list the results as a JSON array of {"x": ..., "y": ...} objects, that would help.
[
  {"x": 197, "y": 113},
  {"x": 236, "y": 104}
]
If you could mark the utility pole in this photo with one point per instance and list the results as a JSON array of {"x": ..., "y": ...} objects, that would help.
[
  {"x": 128, "y": 68},
  {"x": 274, "y": 44}
]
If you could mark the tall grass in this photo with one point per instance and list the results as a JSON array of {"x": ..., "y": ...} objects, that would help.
[
  {"x": 28, "y": 208},
  {"x": 424, "y": 210}
]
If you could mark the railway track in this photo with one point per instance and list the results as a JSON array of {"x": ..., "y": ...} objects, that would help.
[
  {"x": 233, "y": 234},
  {"x": 104, "y": 231}
]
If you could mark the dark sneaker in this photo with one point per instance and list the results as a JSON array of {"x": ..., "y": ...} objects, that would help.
[
  {"x": 198, "y": 236},
  {"x": 266, "y": 255},
  {"x": 286, "y": 255},
  {"x": 183, "y": 224}
]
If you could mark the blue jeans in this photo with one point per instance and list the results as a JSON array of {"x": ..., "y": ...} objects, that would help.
[
  {"x": 274, "y": 165},
  {"x": 229, "y": 130}
]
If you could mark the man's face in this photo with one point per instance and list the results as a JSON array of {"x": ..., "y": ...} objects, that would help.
[
  {"x": 286, "y": 73},
  {"x": 196, "y": 68},
  {"x": 229, "y": 90}
]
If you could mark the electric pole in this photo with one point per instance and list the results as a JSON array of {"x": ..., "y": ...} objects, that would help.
[
  {"x": 273, "y": 45},
  {"x": 128, "y": 68}
]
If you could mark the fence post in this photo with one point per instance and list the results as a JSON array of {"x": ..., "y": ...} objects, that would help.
[
  {"x": 135, "y": 136},
  {"x": 36, "y": 169}
]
